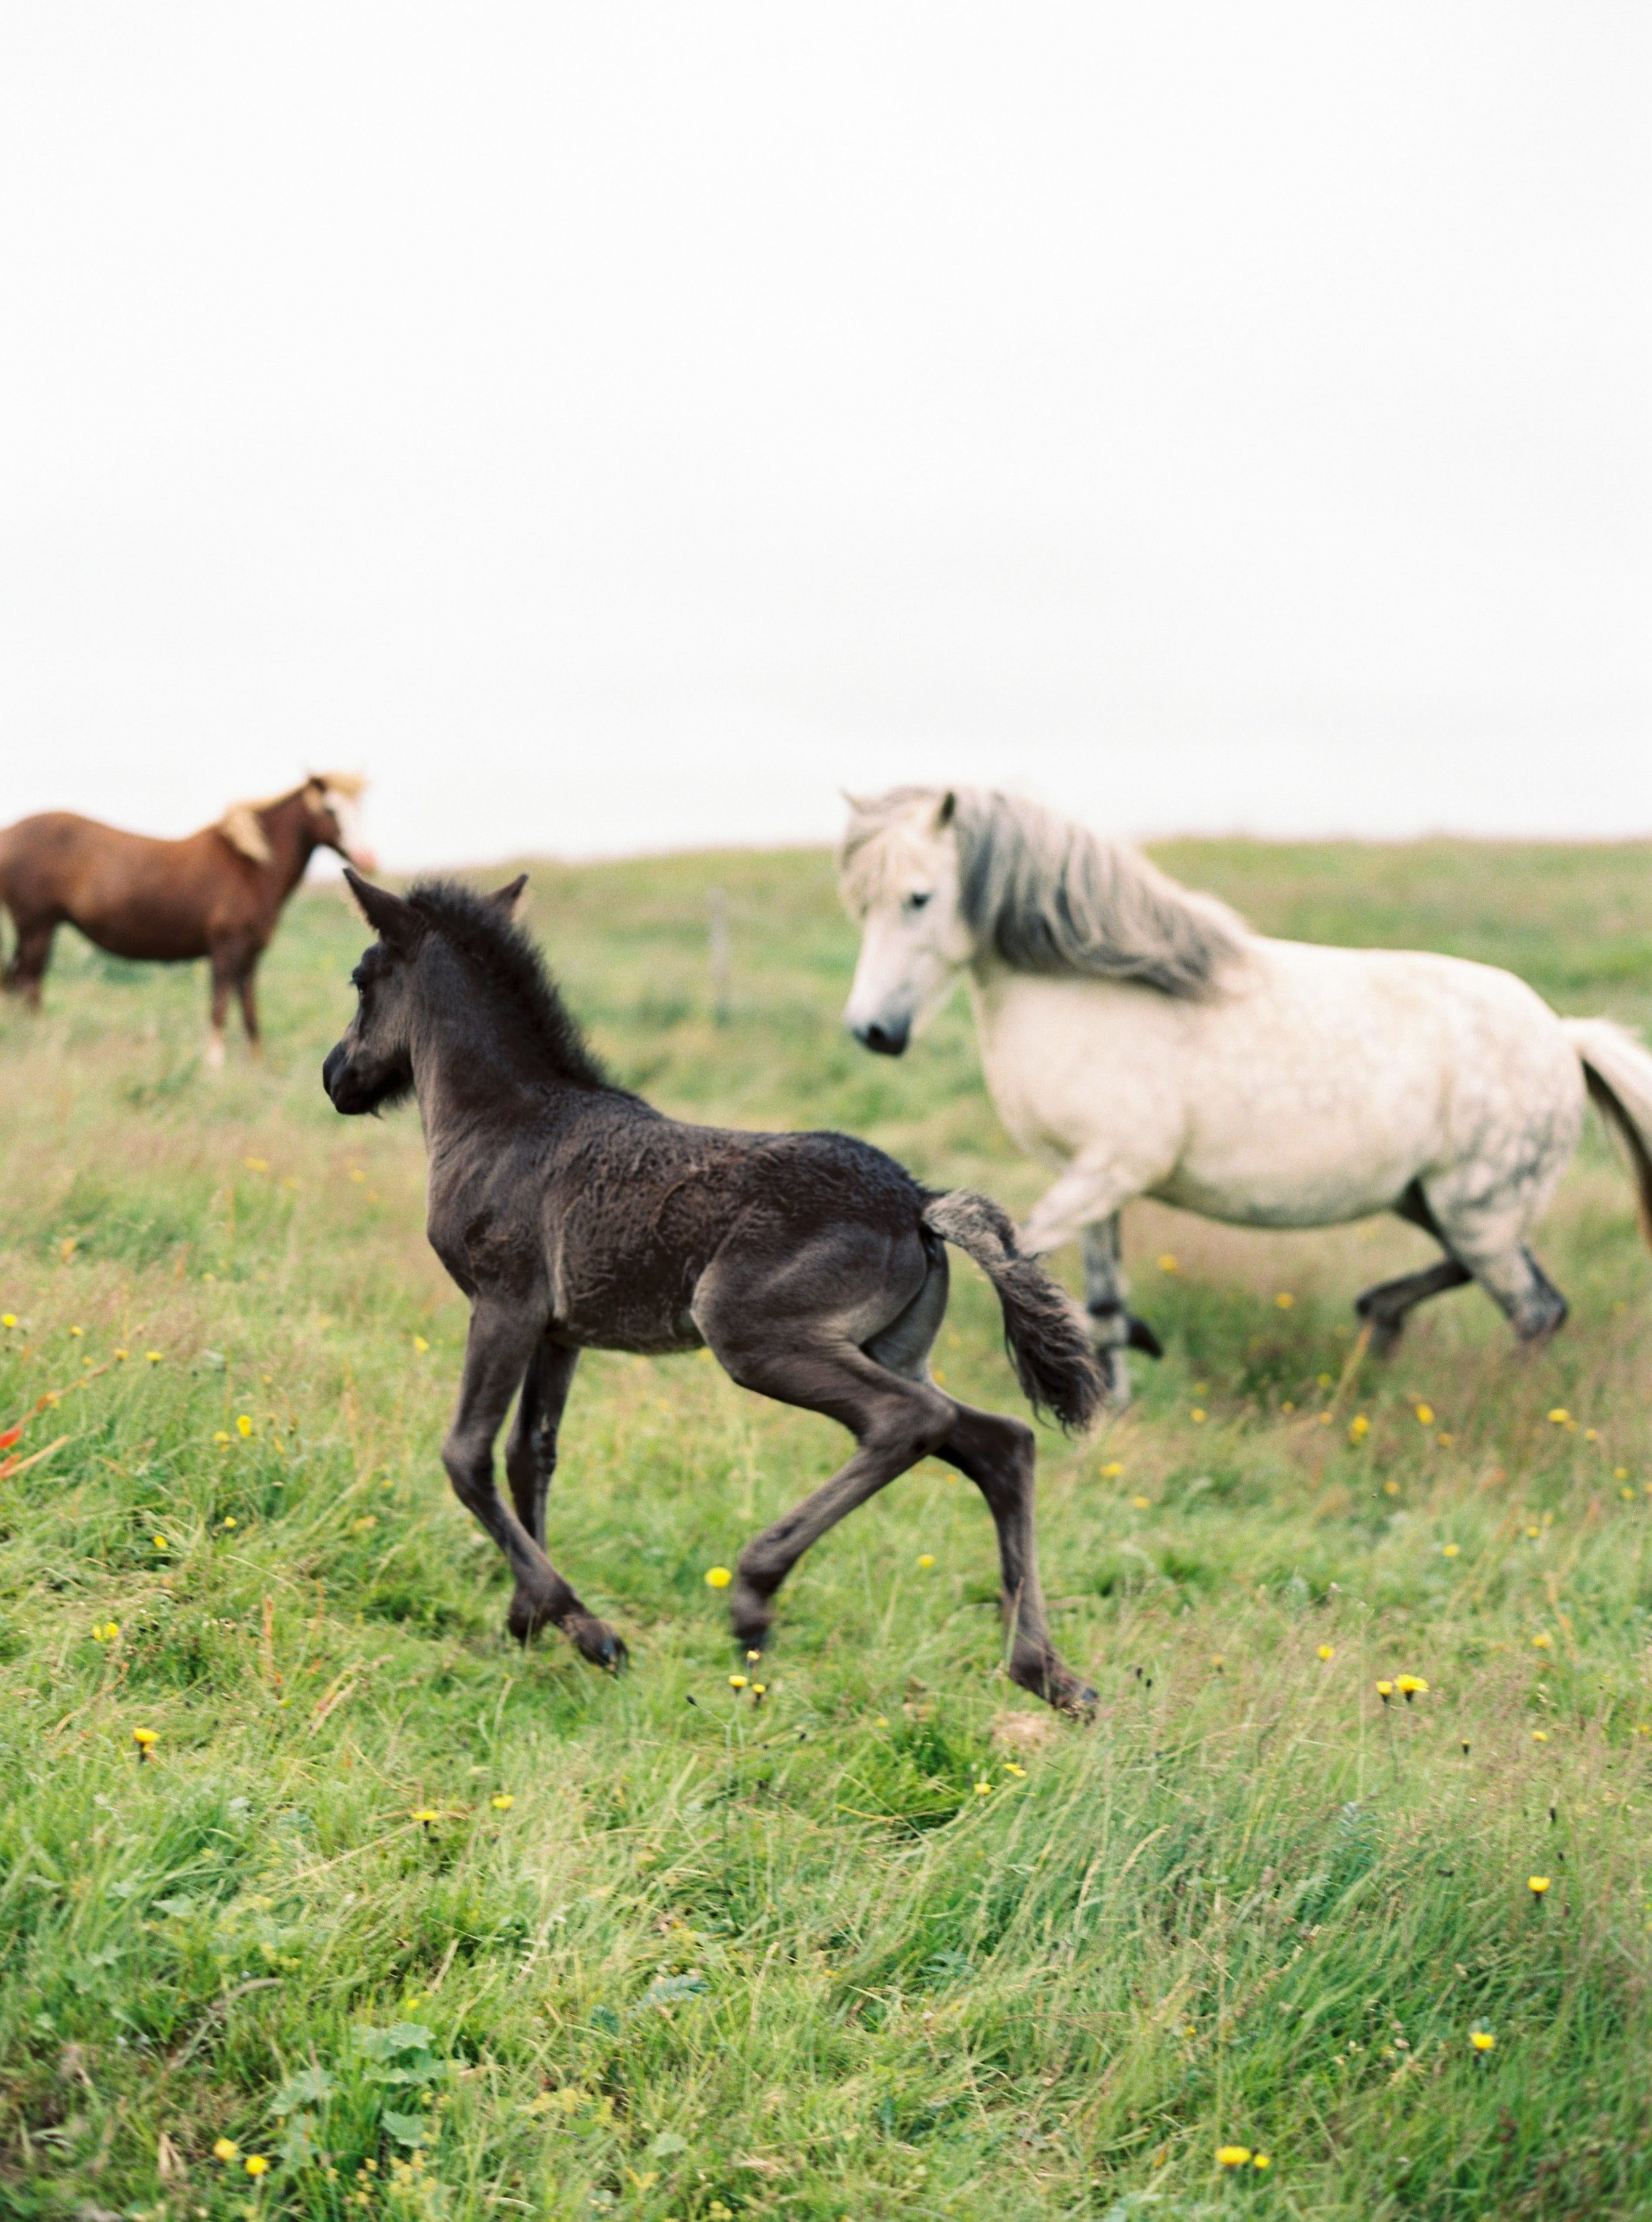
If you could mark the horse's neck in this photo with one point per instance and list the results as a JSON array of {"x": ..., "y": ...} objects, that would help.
[{"x": 292, "y": 838}]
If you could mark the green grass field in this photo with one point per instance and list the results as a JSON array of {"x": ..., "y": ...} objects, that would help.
[{"x": 436, "y": 1929}]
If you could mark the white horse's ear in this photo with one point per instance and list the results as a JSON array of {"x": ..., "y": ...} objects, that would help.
[
  {"x": 946, "y": 809},
  {"x": 858, "y": 803}
]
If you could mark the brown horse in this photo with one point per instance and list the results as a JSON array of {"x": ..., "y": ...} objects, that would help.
[{"x": 216, "y": 894}]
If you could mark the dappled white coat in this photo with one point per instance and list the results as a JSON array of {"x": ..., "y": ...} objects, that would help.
[{"x": 1268, "y": 1083}]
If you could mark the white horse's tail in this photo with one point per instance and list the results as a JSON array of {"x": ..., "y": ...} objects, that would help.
[{"x": 1619, "y": 1075}]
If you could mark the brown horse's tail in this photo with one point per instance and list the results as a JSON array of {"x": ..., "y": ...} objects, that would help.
[
  {"x": 1618, "y": 1072},
  {"x": 1044, "y": 1331}
]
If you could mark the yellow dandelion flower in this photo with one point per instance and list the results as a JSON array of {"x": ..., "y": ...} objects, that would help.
[
  {"x": 1009, "y": 1767},
  {"x": 1326, "y": 1651},
  {"x": 220, "y": 1437},
  {"x": 1385, "y": 1691},
  {"x": 1391, "y": 1489},
  {"x": 1445, "y": 1441},
  {"x": 882, "y": 1721},
  {"x": 752, "y": 1658},
  {"x": 760, "y": 1689},
  {"x": 1592, "y": 1434},
  {"x": 1534, "y": 1533},
  {"x": 1560, "y": 1417},
  {"x": 145, "y": 1739},
  {"x": 1325, "y": 1419},
  {"x": 501, "y": 1802},
  {"x": 256, "y": 1164},
  {"x": 160, "y": 1543},
  {"x": 1540, "y": 1736},
  {"x": 1262, "y": 2160},
  {"x": 77, "y": 1330},
  {"x": 1628, "y": 1496},
  {"x": 926, "y": 1558},
  {"x": 1284, "y": 1300},
  {"x": 1620, "y": 1474},
  {"x": 153, "y": 1356},
  {"x": 226, "y": 2149},
  {"x": 230, "y": 1521},
  {"x": 244, "y": 1425},
  {"x": 255, "y": 2164},
  {"x": 1111, "y": 1471},
  {"x": 1197, "y": 1416},
  {"x": 1543, "y": 1640},
  {"x": 356, "y": 1173},
  {"x": 983, "y": 1789},
  {"x": 1287, "y": 1406},
  {"x": 1218, "y": 1660},
  {"x": 717, "y": 1578},
  {"x": 1536, "y": 1885},
  {"x": 119, "y": 1354},
  {"x": 426, "y": 1813},
  {"x": 8, "y": 1319},
  {"x": 1425, "y": 1415},
  {"x": 1142, "y": 1504},
  {"x": 1449, "y": 1550},
  {"x": 1167, "y": 1263},
  {"x": 737, "y": 1681},
  {"x": 420, "y": 1344},
  {"x": 1358, "y": 1428},
  {"x": 1412, "y": 1685},
  {"x": 1481, "y": 2039},
  {"x": 1232, "y": 2155}
]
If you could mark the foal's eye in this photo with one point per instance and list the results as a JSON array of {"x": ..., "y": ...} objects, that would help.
[{"x": 916, "y": 900}]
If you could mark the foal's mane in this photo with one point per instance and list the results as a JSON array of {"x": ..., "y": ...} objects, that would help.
[
  {"x": 1047, "y": 895},
  {"x": 505, "y": 958}
]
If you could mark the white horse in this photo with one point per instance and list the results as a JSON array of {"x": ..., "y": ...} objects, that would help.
[{"x": 1142, "y": 1040}]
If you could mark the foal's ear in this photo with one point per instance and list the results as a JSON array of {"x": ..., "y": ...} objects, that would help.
[
  {"x": 396, "y": 923},
  {"x": 946, "y": 809},
  {"x": 505, "y": 899}
]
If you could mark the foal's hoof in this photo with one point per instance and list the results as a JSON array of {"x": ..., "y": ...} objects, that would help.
[
  {"x": 594, "y": 1640},
  {"x": 750, "y": 1615},
  {"x": 1050, "y": 1678},
  {"x": 525, "y": 1619}
]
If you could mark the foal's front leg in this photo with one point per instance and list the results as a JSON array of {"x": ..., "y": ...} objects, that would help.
[{"x": 497, "y": 1353}]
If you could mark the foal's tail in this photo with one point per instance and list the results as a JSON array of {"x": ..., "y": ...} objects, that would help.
[
  {"x": 1618, "y": 1072},
  {"x": 1044, "y": 1331}
]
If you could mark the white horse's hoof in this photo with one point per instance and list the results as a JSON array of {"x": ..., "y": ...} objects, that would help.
[{"x": 215, "y": 1053}]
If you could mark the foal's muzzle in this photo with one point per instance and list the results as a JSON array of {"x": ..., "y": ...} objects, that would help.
[{"x": 884, "y": 1039}]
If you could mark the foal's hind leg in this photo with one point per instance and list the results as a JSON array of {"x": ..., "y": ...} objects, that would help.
[
  {"x": 1384, "y": 1308},
  {"x": 896, "y": 1422},
  {"x": 497, "y": 1355},
  {"x": 997, "y": 1454}
]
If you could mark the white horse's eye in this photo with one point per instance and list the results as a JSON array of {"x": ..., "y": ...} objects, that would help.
[{"x": 916, "y": 901}]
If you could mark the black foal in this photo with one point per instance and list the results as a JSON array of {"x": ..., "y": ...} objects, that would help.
[{"x": 575, "y": 1216}]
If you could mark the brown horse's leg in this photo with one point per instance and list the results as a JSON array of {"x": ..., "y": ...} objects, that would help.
[
  {"x": 29, "y": 959},
  {"x": 497, "y": 1353},
  {"x": 996, "y": 1453},
  {"x": 245, "y": 990},
  {"x": 223, "y": 981}
]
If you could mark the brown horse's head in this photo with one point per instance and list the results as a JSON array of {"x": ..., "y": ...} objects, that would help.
[{"x": 329, "y": 798}]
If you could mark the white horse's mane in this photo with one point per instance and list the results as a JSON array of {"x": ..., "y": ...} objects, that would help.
[
  {"x": 1047, "y": 895},
  {"x": 240, "y": 823}
]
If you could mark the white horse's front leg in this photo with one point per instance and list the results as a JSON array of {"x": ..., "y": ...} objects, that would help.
[
  {"x": 1114, "y": 1329},
  {"x": 1090, "y": 1190}
]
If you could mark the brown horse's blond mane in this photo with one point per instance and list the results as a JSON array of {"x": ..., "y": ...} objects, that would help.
[{"x": 240, "y": 823}]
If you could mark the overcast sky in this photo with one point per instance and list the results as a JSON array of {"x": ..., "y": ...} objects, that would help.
[{"x": 617, "y": 427}]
